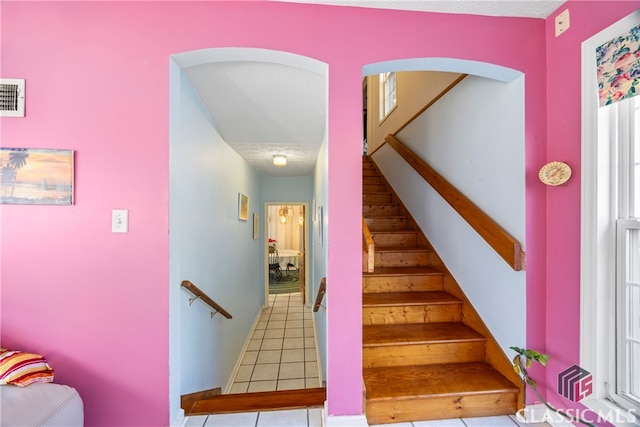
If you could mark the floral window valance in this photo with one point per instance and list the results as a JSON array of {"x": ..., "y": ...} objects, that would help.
[{"x": 618, "y": 62}]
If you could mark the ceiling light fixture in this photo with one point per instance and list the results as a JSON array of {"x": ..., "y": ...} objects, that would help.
[{"x": 279, "y": 159}]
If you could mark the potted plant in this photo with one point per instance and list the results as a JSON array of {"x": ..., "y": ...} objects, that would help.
[{"x": 522, "y": 361}]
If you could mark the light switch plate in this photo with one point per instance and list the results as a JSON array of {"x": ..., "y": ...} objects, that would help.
[{"x": 119, "y": 221}]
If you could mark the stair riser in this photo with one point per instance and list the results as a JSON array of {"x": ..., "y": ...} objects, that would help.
[
  {"x": 382, "y": 224},
  {"x": 411, "y": 314},
  {"x": 402, "y": 283},
  {"x": 376, "y": 198},
  {"x": 374, "y": 188},
  {"x": 423, "y": 354},
  {"x": 372, "y": 179},
  {"x": 369, "y": 171},
  {"x": 379, "y": 210},
  {"x": 401, "y": 259},
  {"x": 381, "y": 239},
  {"x": 439, "y": 408}
]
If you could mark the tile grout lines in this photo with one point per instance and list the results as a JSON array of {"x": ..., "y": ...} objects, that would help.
[{"x": 293, "y": 317}]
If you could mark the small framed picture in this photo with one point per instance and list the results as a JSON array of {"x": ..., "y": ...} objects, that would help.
[
  {"x": 320, "y": 226},
  {"x": 35, "y": 176},
  {"x": 243, "y": 207},
  {"x": 255, "y": 226}
]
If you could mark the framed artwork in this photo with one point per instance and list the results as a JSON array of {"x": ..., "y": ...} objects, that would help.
[
  {"x": 243, "y": 207},
  {"x": 313, "y": 209},
  {"x": 32, "y": 176},
  {"x": 255, "y": 226},
  {"x": 320, "y": 226}
]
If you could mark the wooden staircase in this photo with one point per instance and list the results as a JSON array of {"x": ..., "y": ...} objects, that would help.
[{"x": 426, "y": 353}]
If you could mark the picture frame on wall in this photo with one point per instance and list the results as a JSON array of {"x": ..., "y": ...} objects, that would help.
[
  {"x": 34, "y": 176},
  {"x": 320, "y": 226},
  {"x": 243, "y": 207},
  {"x": 313, "y": 209},
  {"x": 255, "y": 226}
]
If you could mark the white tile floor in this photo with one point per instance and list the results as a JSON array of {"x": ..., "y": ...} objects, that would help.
[
  {"x": 313, "y": 418},
  {"x": 281, "y": 354}
]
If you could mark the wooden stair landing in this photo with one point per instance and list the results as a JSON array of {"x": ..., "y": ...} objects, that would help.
[
  {"x": 420, "y": 360},
  {"x": 260, "y": 401},
  {"x": 433, "y": 392}
]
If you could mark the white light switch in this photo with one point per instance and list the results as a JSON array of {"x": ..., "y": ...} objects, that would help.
[{"x": 119, "y": 221}]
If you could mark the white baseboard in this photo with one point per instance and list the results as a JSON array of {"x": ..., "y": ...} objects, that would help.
[
  {"x": 342, "y": 420},
  {"x": 179, "y": 420},
  {"x": 232, "y": 377},
  {"x": 539, "y": 413},
  {"x": 315, "y": 337}
]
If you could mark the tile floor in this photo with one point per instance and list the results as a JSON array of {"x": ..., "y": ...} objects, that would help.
[
  {"x": 281, "y": 354},
  {"x": 313, "y": 418}
]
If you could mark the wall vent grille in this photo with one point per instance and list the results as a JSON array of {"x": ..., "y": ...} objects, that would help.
[{"x": 12, "y": 97}]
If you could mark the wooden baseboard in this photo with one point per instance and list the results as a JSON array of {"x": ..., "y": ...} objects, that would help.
[
  {"x": 187, "y": 400},
  {"x": 260, "y": 401}
]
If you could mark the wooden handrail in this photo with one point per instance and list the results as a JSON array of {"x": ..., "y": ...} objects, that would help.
[
  {"x": 432, "y": 101},
  {"x": 442, "y": 93},
  {"x": 499, "y": 239},
  {"x": 321, "y": 291},
  {"x": 199, "y": 294},
  {"x": 368, "y": 248}
]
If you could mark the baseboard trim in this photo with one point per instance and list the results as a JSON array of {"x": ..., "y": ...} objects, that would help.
[
  {"x": 539, "y": 413},
  {"x": 179, "y": 420},
  {"x": 342, "y": 420},
  {"x": 227, "y": 389}
]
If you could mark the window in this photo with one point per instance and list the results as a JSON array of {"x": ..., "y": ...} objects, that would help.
[
  {"x": 627, "y": 255},
  {"x": 388, "y": 91},
  {"x": 610, "y": 239}
]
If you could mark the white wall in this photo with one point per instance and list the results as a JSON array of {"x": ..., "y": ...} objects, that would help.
[
  {"x": 474, "y": 137},
  {"x": 320, "y": 253},
  {"x": 209, "y": 245},
  {"x": 414, "y": 90}
]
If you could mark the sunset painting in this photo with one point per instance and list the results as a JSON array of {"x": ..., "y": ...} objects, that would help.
[{"x": 30, "y": 176}]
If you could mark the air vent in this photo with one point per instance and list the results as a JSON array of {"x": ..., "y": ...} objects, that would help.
[{"x": 12, "y": 97}]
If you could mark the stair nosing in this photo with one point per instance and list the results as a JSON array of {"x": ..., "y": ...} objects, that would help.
[
  {"x": 399, "y": 326},
  {"x": 402, "y": 271},
  {"x": 453, "y": 299}
]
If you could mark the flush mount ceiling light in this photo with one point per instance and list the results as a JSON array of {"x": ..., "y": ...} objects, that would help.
[{"x": 279, "y": 159}]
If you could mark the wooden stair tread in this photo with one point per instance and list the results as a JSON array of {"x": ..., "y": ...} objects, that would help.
[
  {"x": 410, "y": 382},
  {"x": 417, "y": 333},
  {"x": 260, "y": 401},
  {"x": 401, "y": 248},
  {"x": 394, "y": 231},
  {"x": 403, "y": 271},
  {"x": 408, "y": 298}
]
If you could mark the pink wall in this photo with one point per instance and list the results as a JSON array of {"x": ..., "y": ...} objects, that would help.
[
  {"x": 97, "y": 82},
  {"x": 563, "y": 203}
]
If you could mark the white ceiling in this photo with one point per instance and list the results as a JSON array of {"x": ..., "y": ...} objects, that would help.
[
  {"x": 262, "y": 108},
  {"x": 521, "y": 8}
]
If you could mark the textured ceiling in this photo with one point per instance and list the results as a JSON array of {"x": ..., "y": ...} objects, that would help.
[
  {"x": 521, "y": 8},
  {"x": 263, "y": 108}
]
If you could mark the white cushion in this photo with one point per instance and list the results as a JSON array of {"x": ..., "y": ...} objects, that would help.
[{"x": 40, "y": 404}]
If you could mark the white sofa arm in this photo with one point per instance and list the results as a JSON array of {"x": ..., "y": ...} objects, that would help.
[{"x": 40, "y": 404}]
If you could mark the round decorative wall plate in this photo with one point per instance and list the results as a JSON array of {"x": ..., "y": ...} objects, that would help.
[{"x": 555, "y": 173}]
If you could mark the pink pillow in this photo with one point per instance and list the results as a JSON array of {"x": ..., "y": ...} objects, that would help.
[{"x": 21, "y": 369}]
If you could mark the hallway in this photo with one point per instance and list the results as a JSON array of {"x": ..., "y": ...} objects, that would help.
[{"x": 281, "y": 354}]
